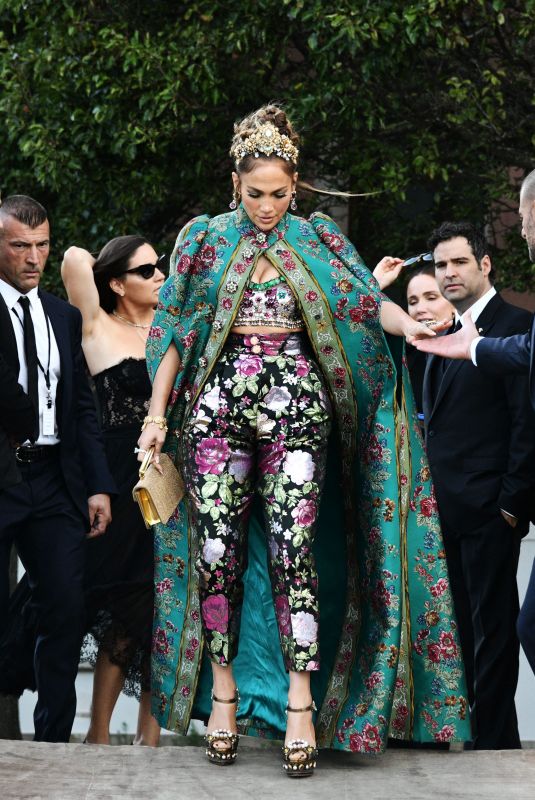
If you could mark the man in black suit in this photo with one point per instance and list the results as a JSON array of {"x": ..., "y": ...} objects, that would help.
[
  {"x": 480, "y": 435},
  {"x": 65, "y": 484}
]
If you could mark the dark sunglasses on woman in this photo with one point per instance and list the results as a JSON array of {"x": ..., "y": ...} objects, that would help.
[{"x": 147, "y": 270}]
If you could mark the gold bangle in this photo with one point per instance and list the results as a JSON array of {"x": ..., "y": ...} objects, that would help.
[{"x": 161, "y": 422}]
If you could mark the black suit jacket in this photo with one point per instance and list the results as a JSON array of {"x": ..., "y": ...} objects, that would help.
[
  {"x": 512, "y": 355},
  {"x": 84, "y": 465},
  {"x": 17, "y": 417},
  {"x": 480, "y": 433}
]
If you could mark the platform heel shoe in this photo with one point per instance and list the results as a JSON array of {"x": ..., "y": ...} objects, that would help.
[
  {"x": 299, "y": 756},
  {"x": 222, "y": 744}
]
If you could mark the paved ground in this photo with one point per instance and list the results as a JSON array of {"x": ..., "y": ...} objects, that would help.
[{"x": 31, "y": 771}]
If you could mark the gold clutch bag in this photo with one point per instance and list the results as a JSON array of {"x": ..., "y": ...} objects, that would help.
[{"x": 158, "y": 495}]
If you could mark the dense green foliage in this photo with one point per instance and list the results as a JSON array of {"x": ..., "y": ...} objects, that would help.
[{"x": 118, "y": 115}]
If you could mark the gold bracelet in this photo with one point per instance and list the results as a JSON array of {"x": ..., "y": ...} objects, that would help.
[{"x": 161, "y": 422}]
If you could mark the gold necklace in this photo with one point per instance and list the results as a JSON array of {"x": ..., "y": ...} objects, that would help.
[{"x": 128, "y": 322}]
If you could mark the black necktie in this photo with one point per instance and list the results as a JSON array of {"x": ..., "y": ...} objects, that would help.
[{"x": 30, "y": 352}]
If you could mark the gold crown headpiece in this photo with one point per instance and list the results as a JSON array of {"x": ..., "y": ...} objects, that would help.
[{"x": 267, "y": 141}]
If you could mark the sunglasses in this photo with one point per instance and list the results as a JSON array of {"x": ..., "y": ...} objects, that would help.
[
  {"x": 147, "y": 270},
  {"x": 414, "y": 259}
]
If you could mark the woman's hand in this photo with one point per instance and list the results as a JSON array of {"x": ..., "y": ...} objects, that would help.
[
  {"x": 416, "y": 331},
  {"x": 154, "y": 424},
  {"x": 457, "y": 345},
  {"x": 397, "y": 322},
  {"x": 152, "y": 436},
  {"x": 387, "y": 270}
]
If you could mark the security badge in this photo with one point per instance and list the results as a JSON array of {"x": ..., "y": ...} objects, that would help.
[{"x": 49, "y": 416}]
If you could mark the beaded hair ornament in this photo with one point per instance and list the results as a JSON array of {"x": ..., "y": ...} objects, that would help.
[{"x": 267, "y": 141}]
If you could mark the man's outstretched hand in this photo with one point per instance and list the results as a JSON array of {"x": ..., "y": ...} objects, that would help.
[{"x": 456, "y": 345}]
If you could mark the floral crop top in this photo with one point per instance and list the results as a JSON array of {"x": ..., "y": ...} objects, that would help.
[{"x": 271, "y": 304}]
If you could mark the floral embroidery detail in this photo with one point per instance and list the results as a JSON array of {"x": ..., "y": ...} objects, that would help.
[
  {"x": 211, "y": 456},
  {"x": 215, "y": 613},
  {"x": 299, "y": 466},
  {"x": 213, "y": 550},
  {"x": 304, "y": 628}
]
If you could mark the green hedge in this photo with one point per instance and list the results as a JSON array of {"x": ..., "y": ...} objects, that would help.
[{"x": 118, "y": 115}]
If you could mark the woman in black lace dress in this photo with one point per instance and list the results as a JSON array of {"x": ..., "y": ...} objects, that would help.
[{"x": 117, "y": 294}]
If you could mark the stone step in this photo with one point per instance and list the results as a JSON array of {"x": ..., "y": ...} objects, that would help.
[{"x": 38, "y": 771}]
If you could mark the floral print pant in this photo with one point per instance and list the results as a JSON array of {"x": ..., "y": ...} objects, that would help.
[{"x": 261, "y": 423}]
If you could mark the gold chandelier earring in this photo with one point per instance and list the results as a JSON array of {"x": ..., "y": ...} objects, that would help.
[
  {"x": 234, "y": 203},
  {"x": 293, "y": 201}
]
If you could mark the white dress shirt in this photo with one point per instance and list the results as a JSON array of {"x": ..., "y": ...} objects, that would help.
[
  {"x": 476, "y": 309},
  {"x": 11, "y": 298}
]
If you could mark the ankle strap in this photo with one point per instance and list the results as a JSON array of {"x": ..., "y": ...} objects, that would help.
[
  {"x": 235, "y": 699},
  {"x": 311, "y": 707}
]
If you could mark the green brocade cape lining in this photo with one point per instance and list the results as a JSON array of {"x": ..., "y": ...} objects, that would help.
[{"x": 391, "y": 661}]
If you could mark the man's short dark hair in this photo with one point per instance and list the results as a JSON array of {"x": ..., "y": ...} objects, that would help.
[
  {"x": 451, "y": 230},
  {"x": 474, "y": 236},
  {"x": 24, "y": 209}
]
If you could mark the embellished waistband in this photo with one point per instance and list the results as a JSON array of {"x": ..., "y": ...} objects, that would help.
[{"x": 269, "y": 344}]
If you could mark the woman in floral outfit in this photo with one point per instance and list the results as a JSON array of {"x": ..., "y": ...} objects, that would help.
[{"x": 292, "y": 420}]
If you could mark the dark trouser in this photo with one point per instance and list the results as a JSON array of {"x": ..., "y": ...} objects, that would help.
[
  {"x": 526, "y": 621},
  {"x": 49, "y": 533},
  {"x": 482, "y": 566}
]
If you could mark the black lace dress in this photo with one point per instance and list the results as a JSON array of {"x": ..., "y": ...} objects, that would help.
[{"x": 119, "y": 566}]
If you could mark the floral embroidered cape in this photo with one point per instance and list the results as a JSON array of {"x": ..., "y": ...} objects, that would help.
[{"x": 391, "y": 660}]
